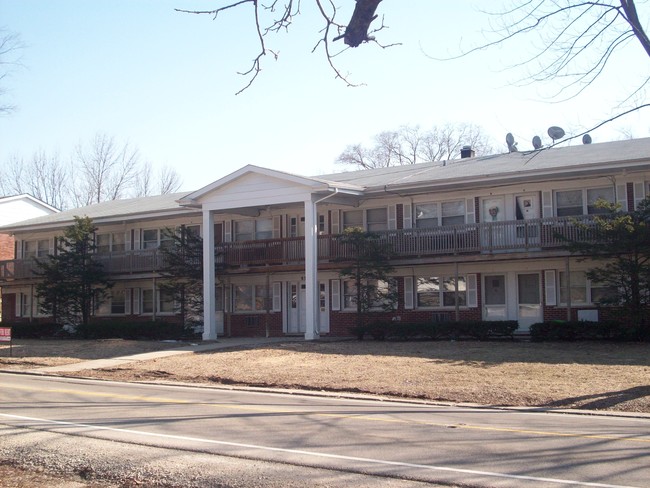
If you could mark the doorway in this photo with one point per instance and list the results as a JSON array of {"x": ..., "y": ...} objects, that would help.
[{"x": 529, "y": 303}]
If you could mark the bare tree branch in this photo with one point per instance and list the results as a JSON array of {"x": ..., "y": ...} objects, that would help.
[
  {"x": 411, "y": 145},
  {"x": 10, "y": 46},
  {"x": 274, "y": 18}
]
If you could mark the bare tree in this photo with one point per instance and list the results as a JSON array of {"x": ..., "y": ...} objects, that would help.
[
  {"x": 105, "y": 170},
  {"x": 273, "y": 18},
  {"x": 574, "y": 43},
  {"x": 410, "y": 145},
  {"x": 43, "y": 176},
  {"x": 10, "y": 47},
  {"x": 167, "y": 181}
]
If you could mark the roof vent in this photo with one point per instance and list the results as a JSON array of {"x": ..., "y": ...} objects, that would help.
[{"x": 467, "y": 152}]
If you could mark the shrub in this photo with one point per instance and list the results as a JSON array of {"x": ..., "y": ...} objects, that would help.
[
  {"x": 34, "y": 330},
  {"x": 151, "y": 330},
  {"x": 437, "y": 330},
  {"x": 558, "y": 330}
]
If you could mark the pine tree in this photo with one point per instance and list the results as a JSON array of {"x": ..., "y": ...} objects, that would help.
[
  {"x": 72, "y": 282},
  {"x": 370, "y": 265},
  {"x": 621, "y": 241}
]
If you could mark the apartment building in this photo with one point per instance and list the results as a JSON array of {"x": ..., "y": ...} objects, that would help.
[{"x": 474, "y": 238}]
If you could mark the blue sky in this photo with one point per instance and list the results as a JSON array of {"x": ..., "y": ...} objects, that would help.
[{"x": 166, "y": 82}]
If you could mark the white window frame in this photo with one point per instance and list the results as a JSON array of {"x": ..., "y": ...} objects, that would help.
[
  {"x": 587, "y": 208},
  {"x": 111, "y": 245},
  {"x": 588, "y": 287},
  {"x": 349, "y": 294},
  {"x": 440, "y": 219},
  {"x": 445, "y": 283},
  {"x": 366, "y": 223},
  {"x": 257, "y": 303},
  {"x": 42, "y": 248},
  {"x": 255, "y": 231}
]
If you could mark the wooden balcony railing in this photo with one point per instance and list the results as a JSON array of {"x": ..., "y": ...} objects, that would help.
[{"x": 488, "y": 237}]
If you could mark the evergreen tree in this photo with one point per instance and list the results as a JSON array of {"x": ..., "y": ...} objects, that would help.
[
  {"x": 367, "y": 268},
  {"x": 72, "y": 282},
  {"x": 621, "y": 241},
  {"x": 183, "y": 272}
]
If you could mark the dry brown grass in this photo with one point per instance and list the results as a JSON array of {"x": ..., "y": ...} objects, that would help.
[{"x": 563, "y": 375}]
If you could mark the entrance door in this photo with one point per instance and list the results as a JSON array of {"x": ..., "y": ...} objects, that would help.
[
  {"x": 493, "y": 235},
  {"x": 324, "y": 300},
  {"x": 495, "y": 307},
  {"x": 529, "y": 303},
  {"x": 527, "y": 208},
  {"x": 8, "y": 312},
  {"x": 296, "y": 315}
]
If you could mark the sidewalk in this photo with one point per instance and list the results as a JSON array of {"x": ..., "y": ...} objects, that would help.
[{"x": 221, "y": 343}]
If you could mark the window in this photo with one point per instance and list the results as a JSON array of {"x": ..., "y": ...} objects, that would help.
[
  {"x": 164, "y": 302},
  {"x": 352, "y": 219},
  {"x": 426, "y": 215},
  {"x": 572, "y": 202},
  {"x": 25, "y": 305},
  {"x": 349, "y": 295},
  {"x": 250, "y": 298},
  {"x": 583, "y": 291},
  {"x": 376, "y": 219},
  {"x": 36, "y": 249},
  {"x": 249, "y": 230},
  {"x": 385, "y": 289},
  {"x": 147, "y": 301},
  {"x": 118, "y": 302},
  {"x": 150, "y": 239},
  {"x": 432, "y": 291},
  {"x": 595, "y": 194},
  {"x": 445, "y": 213},
  {"x": 110, "y": 242}
]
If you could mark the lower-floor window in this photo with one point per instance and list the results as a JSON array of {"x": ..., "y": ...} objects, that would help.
[
  {"x": 162, "y": 301},
  {"x": 249, "y": 298},
  {"x": 118, "y": 302},
  {"x": 434, "y": 291},
  {"x": 384, "y": 294},
  {"x": 582, "y": 290}
]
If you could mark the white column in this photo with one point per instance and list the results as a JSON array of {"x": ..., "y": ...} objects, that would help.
[
  {"x": 311, "y": 271},
  {"x": 209, "y": 305}
]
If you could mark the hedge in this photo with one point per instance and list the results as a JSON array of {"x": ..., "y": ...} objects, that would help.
[
  {"x": 558, "y": 330},
  {"x": 480, "y": 330},
  {"x": 105, "y": 329}
]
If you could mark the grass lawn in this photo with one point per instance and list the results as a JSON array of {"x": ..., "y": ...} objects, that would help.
[{"x": 586, "y": 375}]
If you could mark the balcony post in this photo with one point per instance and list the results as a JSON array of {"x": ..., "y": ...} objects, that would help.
[
  {"x": 209, "y": 316},
  {"x": 311, "y": 271}
]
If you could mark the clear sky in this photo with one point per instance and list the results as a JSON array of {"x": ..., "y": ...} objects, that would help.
[{"x": 166, "y": 82}]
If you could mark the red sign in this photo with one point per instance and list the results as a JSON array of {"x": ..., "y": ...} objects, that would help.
[{"x": 5, "y": 334}]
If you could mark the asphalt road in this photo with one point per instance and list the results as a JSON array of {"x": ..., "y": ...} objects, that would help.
[{"x": 434, "y": 444}]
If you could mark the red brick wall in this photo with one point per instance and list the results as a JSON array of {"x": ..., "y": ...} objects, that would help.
[
  {"x": 254, "y": 325},
  {"x": 6, "y": 247}
]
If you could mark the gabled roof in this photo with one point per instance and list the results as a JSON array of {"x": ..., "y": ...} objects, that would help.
[
  {"x": 26, "y": 196},
  {"x": 314, "y": 183},
  {"x": 127, "y": 209}
]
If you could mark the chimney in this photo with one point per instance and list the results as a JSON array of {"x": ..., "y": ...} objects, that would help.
[{"x": 467, "y": 152}]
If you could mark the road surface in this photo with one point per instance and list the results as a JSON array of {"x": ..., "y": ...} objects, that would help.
[{"x": 394, "y": 440}]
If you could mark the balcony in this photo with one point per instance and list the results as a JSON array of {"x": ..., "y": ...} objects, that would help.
[{"x": 483, "y": 238}]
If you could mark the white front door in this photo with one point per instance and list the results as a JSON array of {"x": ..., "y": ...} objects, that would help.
[
  {"x": 529, "y": 303},
  {"x": 494, "y": 297},
  {"x": 527, "y": 208},
  {"x": 493, "y": 211},
  {"x": 296, "y": 314},
  {"x": 297, "y": 307}
]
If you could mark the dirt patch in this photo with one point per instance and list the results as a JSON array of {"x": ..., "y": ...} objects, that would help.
[{"x": 13, "y": 477}]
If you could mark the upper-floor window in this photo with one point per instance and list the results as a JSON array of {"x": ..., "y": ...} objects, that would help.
[
  {"x": 443, "y": 213},
  {"x": 155, "y": 238},
  {"x": 110, "y": 242},
  {"x": 251, "y": 230},
  {"x": 36, "y": 248},
  {"x": 372, "y": 219},
  {"x": 582, "y": 202}
]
